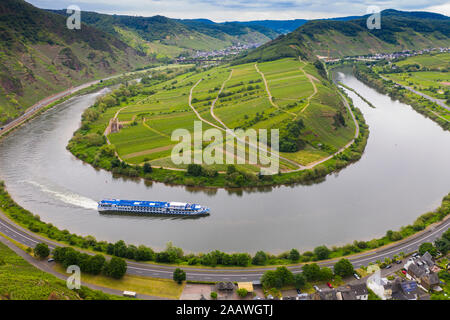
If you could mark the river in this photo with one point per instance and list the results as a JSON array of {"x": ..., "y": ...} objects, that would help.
[{"x": 403, "y": 173}]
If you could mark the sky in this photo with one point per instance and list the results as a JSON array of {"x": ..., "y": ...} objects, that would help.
[{"x": 245, "y": 10}]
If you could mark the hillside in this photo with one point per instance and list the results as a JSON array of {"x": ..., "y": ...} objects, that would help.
[
  {"x": 399, "y": 31},
  {"x": 163, "y": 38},
  {"x": 290, "y": 95},
  {"x": 39, "y": 56}
]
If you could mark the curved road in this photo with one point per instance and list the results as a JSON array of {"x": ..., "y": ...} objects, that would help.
[{"x": 408, "y": 245}]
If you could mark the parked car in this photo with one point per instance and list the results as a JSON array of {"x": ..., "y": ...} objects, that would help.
[
  {"x": 388, "y": 266},
  {"x": 50, "y": 260},
  {"x": 329, "y": 285},
  {"x": 398, "y": 261},
  {"x": 356, "y": 276},
  {"x": 316, "y": 288},
  {"x": 404, "y": 272},
  {"x": 298, "y": 291},
  {"x": 416, "y": 255}
]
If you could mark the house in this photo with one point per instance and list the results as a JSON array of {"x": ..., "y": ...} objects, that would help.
[
  {"x": 380, "y": 286},
  {"x": 403, "y": 290},
  {"x": 423, "y": 271},
  {"x": 326, "y": 294},
  {"x": 225, "y": 286},
  {"x": 356, "y": 291}
]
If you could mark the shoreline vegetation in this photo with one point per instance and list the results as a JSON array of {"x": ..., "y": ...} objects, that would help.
[
  {"x": 21, "y": 280},
  {"x": 419, "y": 104},
  {"x": 175, "y": 256}
]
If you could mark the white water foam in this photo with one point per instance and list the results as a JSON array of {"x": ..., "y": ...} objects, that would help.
[{"x": 67, "y": 197}]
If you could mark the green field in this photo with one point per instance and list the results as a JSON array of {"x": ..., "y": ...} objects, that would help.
[
  {"x": 426, "y": 73},
  {"x": 149, "y": 120},
  {"x": 289, "y": 95}
]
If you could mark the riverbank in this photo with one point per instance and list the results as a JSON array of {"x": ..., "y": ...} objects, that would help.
[
  {"x": 97, "y": 151},
  {"x": 374, "y": 80},
  {"x": 174, "y": 256}
]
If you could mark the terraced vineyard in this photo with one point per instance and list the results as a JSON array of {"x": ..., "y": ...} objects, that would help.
[
  {"x": 230, "y": 98},
  {"x": 315, "y": 122}
]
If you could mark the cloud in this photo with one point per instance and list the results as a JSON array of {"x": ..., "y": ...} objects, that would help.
[{"x": 231, "y": 10}]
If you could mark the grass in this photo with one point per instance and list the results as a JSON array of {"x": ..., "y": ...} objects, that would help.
[
  {"x": 19, "y": 280},
  {"x": 243, "y": 103},
  {"x": 144, "y": 285}
]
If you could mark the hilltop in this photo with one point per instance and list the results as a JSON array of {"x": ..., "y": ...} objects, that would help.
[
  {"x": 163, "y": 38},
  {"x": 399, "y": 31},
  {"x": 41, "y": 56}
]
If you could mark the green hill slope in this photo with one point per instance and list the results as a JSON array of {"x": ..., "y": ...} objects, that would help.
[
  {"x": 399, "y": 31},
  {"x": 162, "y": 37},
  {"x": 39, "y": 56}
]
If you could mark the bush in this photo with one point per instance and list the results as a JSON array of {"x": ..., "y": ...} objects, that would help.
[
  {"x": 242, "y": 292},
  {"x": 213, "y": 295},
  {"x": 294, "y": 255},
  {"x": 343, "y": 268},
  {"x": 116, "y": 268},
  {"x": 260, "y": 258},
  {"x": 194, "y": 170},
  {"x": 41, "y": 250},
  {"x": 179, "y": 275},
  {"x": 322, "y": 252}
]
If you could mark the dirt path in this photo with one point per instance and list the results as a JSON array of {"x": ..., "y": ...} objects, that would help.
[
  {"x": 217, "y": 98},
  {"x": 269, "y": 94},
  {"x": 311, "y": 79}
]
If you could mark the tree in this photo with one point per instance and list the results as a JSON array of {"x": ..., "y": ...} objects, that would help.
[
  {"x": 427, "y": 246},
  {"x": 96, "y": 264},
  {"x": 116, "y": 268},
  {"x": 285, "y": 275},
  {"x": 120, "y": 249},
  {"x": 344, "y": 268},
  {"x": 326, "y": 274},
  {"x": 242, "y": 292},
  {"x": 443, "y": 245},
  {"x": 41, "y": 250},
  {"x": 194, "y": 170},
  {"x": 179, "y": 275},
  {"x": 260, "y": 258},
  {"x": 311, "y": 271},
  {"x": 270, "y": 279},
  {"x": 213, "y": 295},
  {"x": 294, "y": 255},
  {"x": 299, "y": 280},
  {"x": 147, "y": 168},
  {"x": 322, "y": 252},
  {"x": 144, "y": 254}
]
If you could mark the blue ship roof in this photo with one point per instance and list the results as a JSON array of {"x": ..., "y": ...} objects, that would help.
[{"x": 152, "y": 204}]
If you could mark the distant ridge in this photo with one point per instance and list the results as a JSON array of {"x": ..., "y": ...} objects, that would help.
[{"x": 400, "y": 30}]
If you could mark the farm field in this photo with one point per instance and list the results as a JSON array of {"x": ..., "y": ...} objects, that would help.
[
  {"x": 427, "y": 74},
  {"x": 286, "y": 94}
]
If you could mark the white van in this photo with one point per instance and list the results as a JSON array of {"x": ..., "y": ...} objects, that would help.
[{"x": 129, "y": 294}]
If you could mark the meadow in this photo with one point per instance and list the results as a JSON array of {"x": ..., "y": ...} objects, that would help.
[{"x": 234, "y": 97}]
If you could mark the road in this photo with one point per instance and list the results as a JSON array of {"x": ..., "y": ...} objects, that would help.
[
  {"x": 440, "y": 102},
  {"x": 408, "y": 245}
]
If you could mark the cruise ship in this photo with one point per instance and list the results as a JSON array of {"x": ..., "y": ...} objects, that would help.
[{"x": 152, "y": 208}]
